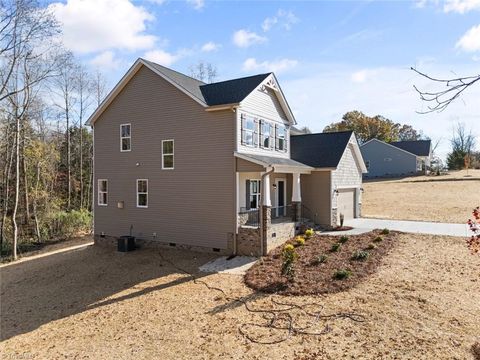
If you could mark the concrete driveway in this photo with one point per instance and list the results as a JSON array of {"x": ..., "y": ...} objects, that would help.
[{"x": 420, "y": 227}]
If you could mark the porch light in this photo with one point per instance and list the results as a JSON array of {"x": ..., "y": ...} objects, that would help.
[{"x": 274, "y": 186}]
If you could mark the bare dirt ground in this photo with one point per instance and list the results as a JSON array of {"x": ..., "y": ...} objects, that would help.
[
  {"x": 446, "y": 198},
  {"x": 423, "y": 303}
]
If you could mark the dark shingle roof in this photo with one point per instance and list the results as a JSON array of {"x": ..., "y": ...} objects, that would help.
[
  {"x": 219, "y": 93},
  {"x": 231, "y": 91},
  {"x": 319, "y": 150},
  {"x": 417, "y": 147},
  {"x": 188, "y": 83},
  {"x": 272, "y": 161}
]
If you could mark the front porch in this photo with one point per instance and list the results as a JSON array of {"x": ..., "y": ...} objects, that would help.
[{"x": 269, "y": 208}]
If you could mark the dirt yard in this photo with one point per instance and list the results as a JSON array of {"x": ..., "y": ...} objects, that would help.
[
  {"x": 446, "y": 198},
  {"x": 422, "y": 303}
]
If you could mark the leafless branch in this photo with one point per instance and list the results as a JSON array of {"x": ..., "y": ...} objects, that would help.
[{"x": 440, "y": 100}]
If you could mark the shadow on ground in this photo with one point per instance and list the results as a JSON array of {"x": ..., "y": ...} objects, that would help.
[{"x": 42, "y": 290}]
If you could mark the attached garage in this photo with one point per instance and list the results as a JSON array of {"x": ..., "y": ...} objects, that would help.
[
  {"x": 334, "y": 187},
  {"x": 346, "y": 203}
]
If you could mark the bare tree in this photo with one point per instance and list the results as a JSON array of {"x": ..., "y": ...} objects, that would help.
[
  {"x": 451, "y": 89},
  {"x": 204, "y": 72}
]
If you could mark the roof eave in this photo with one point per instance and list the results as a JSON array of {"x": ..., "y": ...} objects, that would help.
[{"x": 222, "y": 107}]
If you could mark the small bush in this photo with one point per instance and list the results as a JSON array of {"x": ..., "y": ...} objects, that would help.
[
  {"x": 299, "y": 241},
  {"x": 309, "y": 233},
  {"x": 343, "y": 239},
  {"x": 378, "y": 239},
  {"x": 371, "y": 246},
  {"x": 320, "y": 259},
  {"x": 342, "y": 274},
  {"x": 385, "y": 231},
  {"x": 335, "y": 247},
  {"x": 360, "y": 255},
  {"x": 289, "y": 257}
]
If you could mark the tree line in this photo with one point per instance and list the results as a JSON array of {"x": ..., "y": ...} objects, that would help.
[{"x": 46, "y": 151}]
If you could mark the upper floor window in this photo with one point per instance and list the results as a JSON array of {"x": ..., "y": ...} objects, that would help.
[
  {"x": 102, "y": 192},
  {"x": 142, "y": 193},
  {"x": 167, "y": 154},
  {"x": 125, "y": 137},
  {"x": 249, "y": 130},
  {"x": 281, "y": 138},
  {"x": 266, "y": 134}
]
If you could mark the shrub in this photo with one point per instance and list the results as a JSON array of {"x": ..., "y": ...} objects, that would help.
[
  {"x": 320, "y": 259},
  {"x": 289, "y": 257},
  {"x": 342, "y": 274},
  {"x": 335, "y": 247},
  {"x": 378, "y": 239},
  {"x": 299, "y": 241},
  {"x": 309, "y": 233},
  {"x": 385, "y": 231},
  {"x": 343, "y": 239},
  {"x": 65, "y": 224},
  {"x": 371, "y": 246},
  {"x": 360, "y": 255}
]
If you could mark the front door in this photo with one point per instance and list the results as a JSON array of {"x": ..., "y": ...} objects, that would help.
[{"x": 280, "y": 198}]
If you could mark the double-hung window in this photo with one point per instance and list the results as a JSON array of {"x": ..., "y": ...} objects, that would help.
[
  {"x": 266, "y": 134},
  {"x": 102, "y": 192},
  {"x": 253, "y": 194},
  {"x": 281, "y": 138},
  {"x": 125, "y": 137},
  {"x": 167, "y": 154},
  {"x": 249, "y": 130},
  {"x": 142, "y": 193}
]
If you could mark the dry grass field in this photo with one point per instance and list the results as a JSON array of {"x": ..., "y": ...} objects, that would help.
[
  {"x": 422, "y": 303},
  {"x": 446, "y": 198}
]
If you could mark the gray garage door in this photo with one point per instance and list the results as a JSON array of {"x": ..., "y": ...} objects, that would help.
[{"x": 346, "y": 203}]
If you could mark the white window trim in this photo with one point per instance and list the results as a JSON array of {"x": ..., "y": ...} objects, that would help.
[
  {"x": 173, "y": 154},
  {"x": 137, "y": 193},
  {"x": 255, "y": 131},
  {"x": 125, "y": 137},
  {"x": 98, "y": 192},
  {"x": 285, "y": 139},
  {"x": 259, "y": 194},
  {"x": 271, "y": 139}
]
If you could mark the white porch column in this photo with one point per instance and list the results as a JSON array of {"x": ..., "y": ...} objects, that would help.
[
  {"x": 296, "y": 192},
  {"x": 266, "y": 191}
]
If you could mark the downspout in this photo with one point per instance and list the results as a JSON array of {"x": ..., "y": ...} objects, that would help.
[{"x": 262, "y": 187}]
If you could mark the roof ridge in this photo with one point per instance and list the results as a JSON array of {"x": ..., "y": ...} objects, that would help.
[
  {"x": 234, "y": 79},
  {"x": 175, "y": 71},
  {"x": 327, "y": 133}
]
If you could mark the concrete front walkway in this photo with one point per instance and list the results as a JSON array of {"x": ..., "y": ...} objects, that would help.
[{"x": 420, "y": 227}]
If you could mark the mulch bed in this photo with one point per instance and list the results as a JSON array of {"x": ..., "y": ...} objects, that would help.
[{"x": 312, "y": 277}]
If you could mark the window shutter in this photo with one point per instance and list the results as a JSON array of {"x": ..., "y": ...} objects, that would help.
[
  {"x": 272, "y": 137},
  {"x": 242, "y": 130},
  {"x": 255, "y": 134},
  {"x": 276, "y": 137},
  {"x": 247, "y": 192}
]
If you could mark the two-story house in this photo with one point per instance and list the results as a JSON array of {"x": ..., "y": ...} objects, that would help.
[{"x": 204, "y": 166}]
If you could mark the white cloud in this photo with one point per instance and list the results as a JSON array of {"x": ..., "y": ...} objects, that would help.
[
  {"x": 162, "y": 57},
  {"x": 106, "y": 60},
  {"x": 276, "y": 66},
  {"x": 197, "y": 4},
  {"x": 284, "y": 18},
  {"x": 461, "y": 6},
  {"x": 94, "y": 25},
  {"x": 363, "y": 75},
  {"x": 244, "y": 38},
  {"x": 210, "y": 46},
  {"x": 470, "y": 41}
]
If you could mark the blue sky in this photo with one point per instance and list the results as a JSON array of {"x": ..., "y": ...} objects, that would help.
[{"x": 329, "y": 56}]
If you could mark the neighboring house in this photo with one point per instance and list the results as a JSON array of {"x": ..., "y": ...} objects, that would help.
[
  {"x": 397, "y": 158},
  {"x": 334, "y": 187},
  {"x": 205, "y": 166}
]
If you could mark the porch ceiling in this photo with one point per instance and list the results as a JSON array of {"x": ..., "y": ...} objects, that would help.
[{"x": 284, "y": 165}]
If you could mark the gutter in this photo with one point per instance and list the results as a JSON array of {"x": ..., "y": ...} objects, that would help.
[{"x": 262, "y": 187}]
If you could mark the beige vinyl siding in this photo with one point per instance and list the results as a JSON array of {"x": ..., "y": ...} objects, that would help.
[
  {"x": 316, "y": 195},
  {"x": 192, "y": 204},
  {"x": 247, "y": 166},
  {"x": 263, "y": 104}
]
